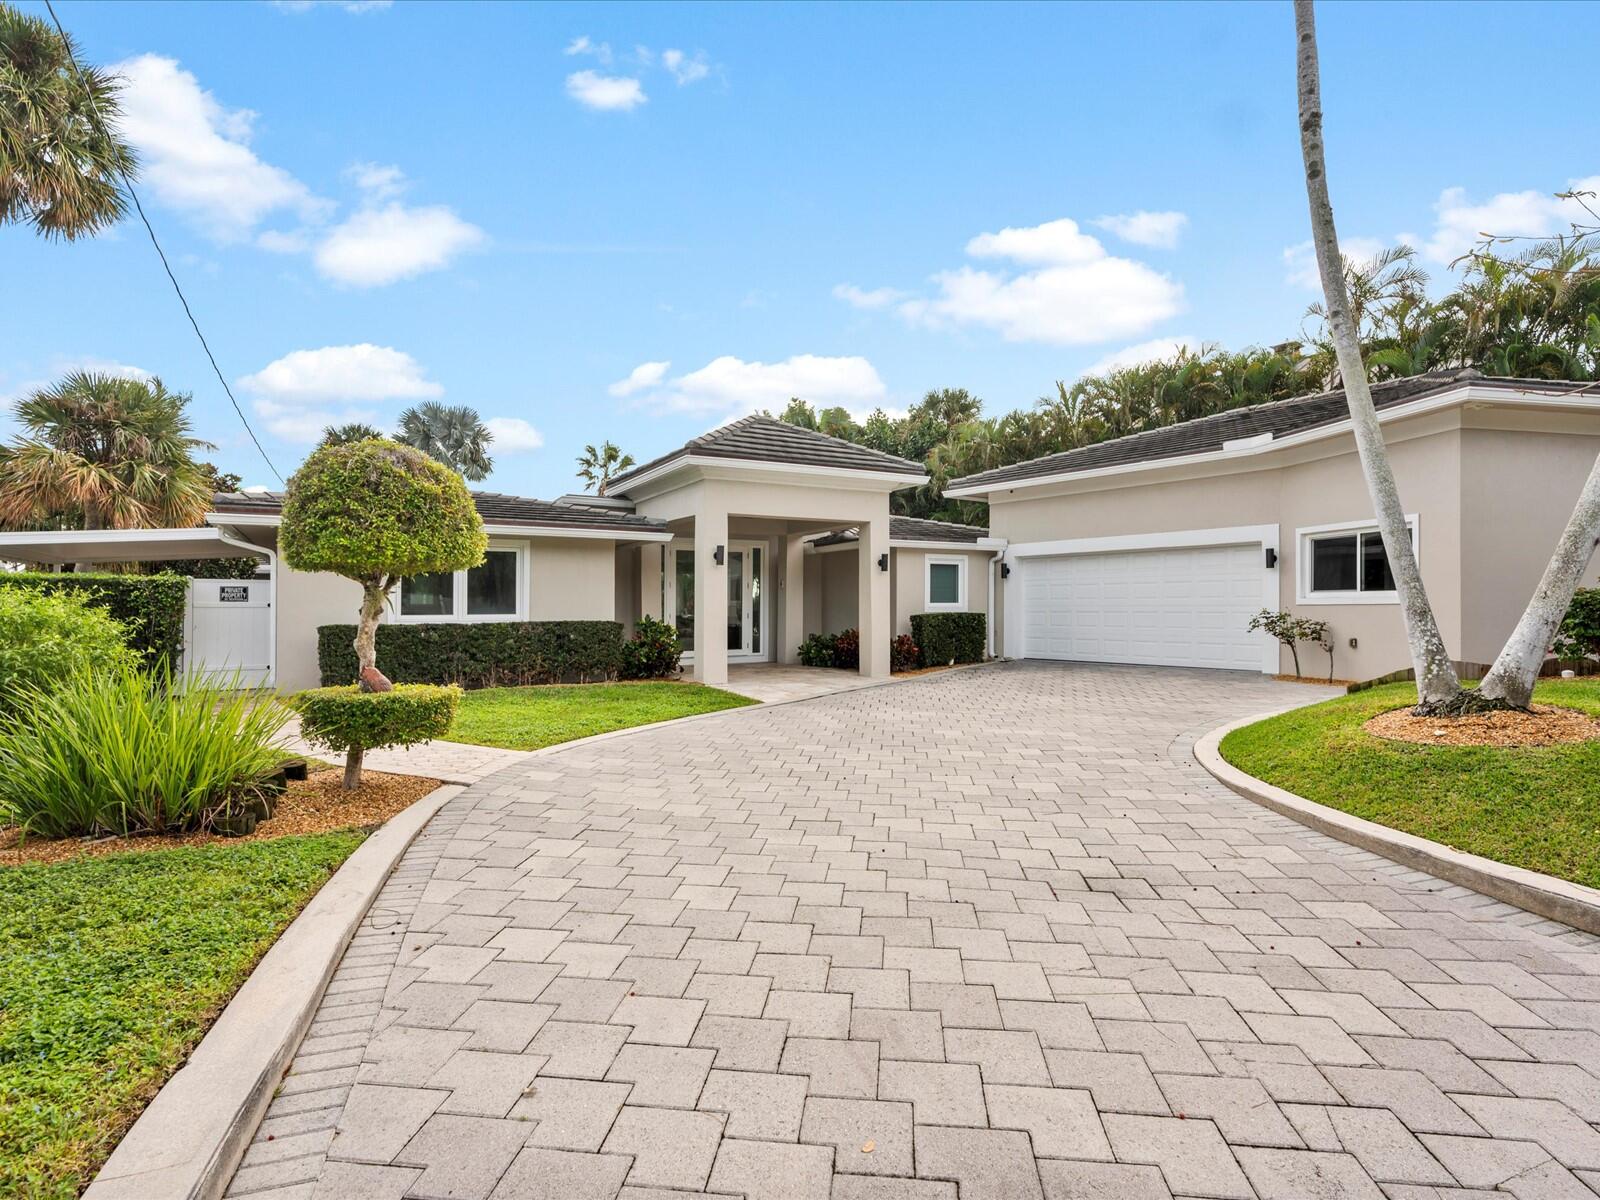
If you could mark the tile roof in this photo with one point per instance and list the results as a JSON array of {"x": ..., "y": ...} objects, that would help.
[
  {"x": 914, "y": 529},
  {"x": 495, "y": 508},
  {"x": 1279, "y": 418},
  {"x": 759, "y": 438}
]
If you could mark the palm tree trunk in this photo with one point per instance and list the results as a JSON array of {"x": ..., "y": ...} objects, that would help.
[
  {"x": 91, "y": 520},
  {"x": 1438, "y": 688},
  {"x": 1510, "y": 681}
]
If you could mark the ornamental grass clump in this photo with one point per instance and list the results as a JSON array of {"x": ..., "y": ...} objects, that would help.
[{"x": 121, "y": 751}]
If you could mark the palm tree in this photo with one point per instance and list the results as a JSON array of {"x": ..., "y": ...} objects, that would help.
[
  {"x": 60, "y": 157},
  {"x": 452, "y": 434},
  {"x": 103, "y": 452},
  {"x": 343, "y": 435},
  {"x": 597, "y": 467}
]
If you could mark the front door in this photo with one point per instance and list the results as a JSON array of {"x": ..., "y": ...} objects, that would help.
[{"x": 744, "y": 605}]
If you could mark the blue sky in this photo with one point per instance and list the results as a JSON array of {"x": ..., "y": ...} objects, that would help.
[{"x": 634, "y": 221}]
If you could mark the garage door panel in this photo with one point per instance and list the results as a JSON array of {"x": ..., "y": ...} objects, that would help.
[{"x": 1181, "y": 607}]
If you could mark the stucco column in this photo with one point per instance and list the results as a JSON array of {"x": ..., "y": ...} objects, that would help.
[
  {"x": 794, "y": 598},
  {"x": 872, "y": 599},
  {"x": 710, "y": 597}
]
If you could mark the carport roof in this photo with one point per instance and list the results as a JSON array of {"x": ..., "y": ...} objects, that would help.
[
  {"x": 120, "y": 545},
  {"x": 760, "y": 438}
]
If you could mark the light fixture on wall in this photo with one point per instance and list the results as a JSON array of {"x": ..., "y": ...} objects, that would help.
[
  {"x": 717, "y": 556},
  {"x": 883, "y": 562},
  {"x": 1005, "y": 570},
  {"x": 1272, "y": 558}
]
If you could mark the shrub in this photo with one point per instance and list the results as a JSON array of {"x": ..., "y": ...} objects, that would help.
[
  {"x": 47, "y": 638},
  {"x": 654, "y": 651},
  {"x": 949, "y": 637},
  {"x": 1579, "y": 634},
  {"x": 351, "y": 720},
  {"x": 847, "y": 649},
  {"x": 1289, "y": 629},
  {"x": 127, "y": 751},
  {"x": 903, "y": 653},
  {"x": 377, "y": 512},
  {"x": 817, "y": 650},
  {"x": 150, "y": 608},
  {"x": 488, "y": 654}
]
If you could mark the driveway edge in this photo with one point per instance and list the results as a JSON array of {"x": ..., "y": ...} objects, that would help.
[
  {"x": 189, "y": 1140},
  {"x": 1558, "y": 899}
]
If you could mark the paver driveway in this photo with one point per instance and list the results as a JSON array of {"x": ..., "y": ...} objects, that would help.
[{"x": 991, "y": 934}]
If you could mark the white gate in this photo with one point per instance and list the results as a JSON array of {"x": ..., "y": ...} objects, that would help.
[{"x": 229, "y": 628}]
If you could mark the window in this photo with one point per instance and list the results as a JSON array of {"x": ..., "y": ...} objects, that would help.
[
  {"x": 947, "y": 584},
  {"x": 1346, "y": 564},
  {"x": 488, "y": 592}
]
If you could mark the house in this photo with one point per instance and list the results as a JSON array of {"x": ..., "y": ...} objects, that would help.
[
  {"x": 787, "y": 529},
  {"x": 1156, "y": 548}
]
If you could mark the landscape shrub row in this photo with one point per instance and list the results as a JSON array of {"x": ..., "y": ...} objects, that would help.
[
  {"x": 47, "y": 638},
  {"x": 954, "y": 637},
  {"x": 491, "y": 654},
  {"x": 150, "y": 608}
]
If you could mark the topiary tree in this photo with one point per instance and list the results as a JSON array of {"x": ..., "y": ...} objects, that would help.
[
  {"x": 354, "y": 721},
  {"x": 377, "y": 512}
]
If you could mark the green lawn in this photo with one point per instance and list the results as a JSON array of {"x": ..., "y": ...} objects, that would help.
[
  {"x": 527, "y": 718},
  {"x": 110, "y": 971},
  {"x": 1537, "y": 808}
]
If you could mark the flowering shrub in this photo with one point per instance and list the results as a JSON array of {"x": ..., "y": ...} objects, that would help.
[
  {"x": 847, "y": 650},
  {"x": 903, "y": 653}
]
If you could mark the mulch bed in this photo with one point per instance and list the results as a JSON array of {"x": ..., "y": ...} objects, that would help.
[
  {"x": 315, "y": 805},
  {"x": 1546, "y": 725}
]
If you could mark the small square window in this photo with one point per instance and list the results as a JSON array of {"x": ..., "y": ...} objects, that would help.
[
  {"x": 1333, "y": 564},
  {"x": 1348, "y": 565},
  {"x": 492, "y": 585},
  {"x": 944, "y": 584},
  {"x": 428, "y": 595}
]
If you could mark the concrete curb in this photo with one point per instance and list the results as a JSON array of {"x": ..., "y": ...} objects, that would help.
[
  {"x": 188, "y": 1142},
  {"x": 1570, "y": 903}
]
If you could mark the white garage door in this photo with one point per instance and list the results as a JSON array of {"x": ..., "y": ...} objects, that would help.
[{"x": 1181, "y": 608}]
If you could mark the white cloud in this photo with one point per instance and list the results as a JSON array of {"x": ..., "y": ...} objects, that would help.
[
  {"x": 582, "y": 44},
  {"x": 1143, "y": 352},
  {"x": 1077, "y": 294},
  {"x": 1158, "y": 229},
  {"x": 513, "y": 435},
  {"x": 684, "y": 69},
  {"x": 641, "y": 378},
  {"x": 377, "y": 246},
  {"x": 730, "y": 387},
  {"x": 606, "y": 93},
  {"x": 864, "y": 298},
  {"x": 195, "y": 154},
  {"x": 379, "y": 181},
  {"x": 349, "y": 6},
  {"x": 1461, "y": 224},
  {"x": 304, "y": 390},
  {"x": 1300, "y": 261},
  {"x": 62, "y": 366}
]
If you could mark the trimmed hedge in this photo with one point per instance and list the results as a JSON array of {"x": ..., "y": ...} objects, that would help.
[
  {"x": 150, "y": 608},
  {"x": 948, "y": 637},
  {"x": 488, "y": 654},
  {"x": 47, "y": 638},
  {"x": 346, "y": 718}
]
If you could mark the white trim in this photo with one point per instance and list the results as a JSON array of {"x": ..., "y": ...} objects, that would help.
[
  {"x": 649, "y": 475},
  {"x": 458, "y": 603},
  {"x": 1306, "y": 534},
  {"x": 1265, "y": 536},
  {"x": 945, "y": 547},
  {"x": 959, "y": 562},
  {"x": 1527, "y": 397},
  {"x": 494, "y": 529},
  {"x": 155, "y": 537}
]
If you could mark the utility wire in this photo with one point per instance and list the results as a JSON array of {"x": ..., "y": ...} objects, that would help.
[{"x": 127, "y": 184}]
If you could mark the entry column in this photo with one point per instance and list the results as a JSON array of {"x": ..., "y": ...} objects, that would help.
[
  {"x": 711, "y": 597},
  {"x": 872, "y": 597},
  {"x": 794, "y": 598}
]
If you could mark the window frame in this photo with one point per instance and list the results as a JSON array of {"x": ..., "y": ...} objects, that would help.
[
  {"x": 1307, "y": 536},
  {"x": 459, "y": 615},
  {"x": 959, "y": 561}
]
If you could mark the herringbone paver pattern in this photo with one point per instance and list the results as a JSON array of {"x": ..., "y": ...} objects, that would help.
[{"x": 992, "y": 934}]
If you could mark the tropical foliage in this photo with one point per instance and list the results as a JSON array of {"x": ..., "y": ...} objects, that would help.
[
  {"x": 60, "y": 155},
  {"x": 597, "y": 466},
  {"x": 47, "y": 638},
  {"x": 1534, "y": 315},
  {"x": 103, "y": 452},
  {"x": 653, "y": 652},
  {"x": 453, "y": 434}
]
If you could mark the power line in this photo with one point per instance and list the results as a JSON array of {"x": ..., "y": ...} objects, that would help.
[{"x": 127, "y": 184}]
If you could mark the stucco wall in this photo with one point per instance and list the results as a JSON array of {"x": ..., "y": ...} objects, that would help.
[
  {"x": 911, "y": 582},
  {"x": 303, "y": 600},
  {"x": 626, "y": 582},
  {"x": 572, "y": 579},
  {"x": 837, "y": 601}
]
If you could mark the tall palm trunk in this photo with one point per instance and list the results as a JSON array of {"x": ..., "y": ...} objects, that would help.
[
  {"x": 1438, "y": 688},
  {"x": 1510, "y": 681}
]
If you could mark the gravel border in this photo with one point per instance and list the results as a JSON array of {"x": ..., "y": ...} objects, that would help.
[
  {"x": 187, "y": 1143},
  {"x": 1559, "y": 899}
]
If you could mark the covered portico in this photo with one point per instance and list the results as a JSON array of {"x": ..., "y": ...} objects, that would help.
[{"x": 742, "y": 503}]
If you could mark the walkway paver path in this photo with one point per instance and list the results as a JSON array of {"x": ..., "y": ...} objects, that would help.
[{"x": 988, "y": 934}]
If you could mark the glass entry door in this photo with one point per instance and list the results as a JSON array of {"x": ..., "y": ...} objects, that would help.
[{"x": 743, "y": 606}]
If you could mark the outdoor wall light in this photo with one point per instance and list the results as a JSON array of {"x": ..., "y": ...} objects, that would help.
[
  {"x": 883, "y": 562},
  {"x": 1005, "y": 570},
  {"x": 1272, "y": 558},
  {"x": 718, "y": 555}
]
